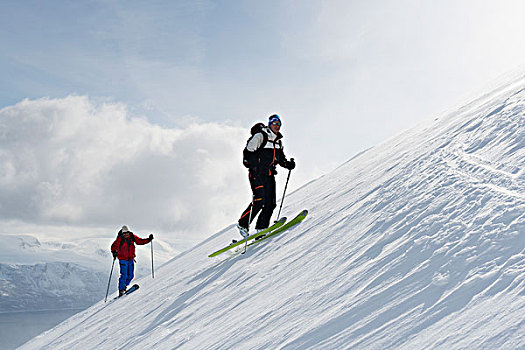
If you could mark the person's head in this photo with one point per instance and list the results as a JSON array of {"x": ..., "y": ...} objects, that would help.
[
  {"x": 125, "y": 231},
  {"x": 274, "y": 122}
]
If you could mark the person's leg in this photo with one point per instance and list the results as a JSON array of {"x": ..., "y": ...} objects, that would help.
[
  {"x": 269, "y": 204},
  {"x": 123, "y": 274},
  {"x": 131, "y": 271},
  {"x": 258, "y": 194}
]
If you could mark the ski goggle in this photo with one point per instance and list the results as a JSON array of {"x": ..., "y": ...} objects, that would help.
[{"x": 276, "y": 123}]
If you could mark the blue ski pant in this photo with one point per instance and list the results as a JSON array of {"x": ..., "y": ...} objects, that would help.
[{"x": 127, "y": 268}]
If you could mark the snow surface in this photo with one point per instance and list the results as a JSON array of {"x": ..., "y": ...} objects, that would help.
[{"x": 418, "y": 243}]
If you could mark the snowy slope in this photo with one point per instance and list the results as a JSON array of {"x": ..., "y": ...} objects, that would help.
[{"x": 418, "y": 243}]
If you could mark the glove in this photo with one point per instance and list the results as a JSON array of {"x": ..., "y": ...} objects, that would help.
[
  {"x": 115, "y": 254},
  {"x": 151, "y": 237},
  {"x": 290, "y": 165}
]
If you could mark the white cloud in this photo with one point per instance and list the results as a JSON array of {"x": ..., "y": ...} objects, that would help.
[{"x": 74, "y": 162}]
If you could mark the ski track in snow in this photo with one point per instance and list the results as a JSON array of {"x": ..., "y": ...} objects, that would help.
[{"x": 418, "y": 243}]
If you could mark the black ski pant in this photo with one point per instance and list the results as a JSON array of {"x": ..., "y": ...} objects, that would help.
[{"x": 264, "y": 200}]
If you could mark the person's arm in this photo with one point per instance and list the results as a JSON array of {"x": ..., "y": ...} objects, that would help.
[
  {"x": 288, "y": 164},
  {"x": 255, "y": 142},
  {"x": 141, "y": 241},
  {"x": 115, "y": 245}
]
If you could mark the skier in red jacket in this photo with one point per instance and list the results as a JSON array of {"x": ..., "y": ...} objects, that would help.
[{"x": 124, "y": 249}]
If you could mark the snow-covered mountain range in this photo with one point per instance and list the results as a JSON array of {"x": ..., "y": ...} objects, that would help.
[
  {"x": 418, "y": 243},
  {"x": 46, "y": 273}
]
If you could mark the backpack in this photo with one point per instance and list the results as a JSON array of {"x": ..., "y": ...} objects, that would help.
[{"x": 247, "y": 156}]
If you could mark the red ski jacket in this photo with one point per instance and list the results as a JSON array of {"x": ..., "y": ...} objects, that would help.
[{"x": 126, "y": 247}]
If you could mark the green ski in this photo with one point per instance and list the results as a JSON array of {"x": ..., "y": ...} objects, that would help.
[
  {"x": 289, "y": 224},
  {"x": 263, "y": 232}
]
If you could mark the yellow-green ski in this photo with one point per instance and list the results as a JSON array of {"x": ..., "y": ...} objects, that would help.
[
  {"x": 289, "y": 224},
  {"x": 263, "y": 232}
]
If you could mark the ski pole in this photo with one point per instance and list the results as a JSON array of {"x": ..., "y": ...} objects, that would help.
[
  {"x": 249, "y": 221},
  {"x": 284, "y": 193},
  {"x": 111, "y": 273},
  {"x": 152, "y": 270}
]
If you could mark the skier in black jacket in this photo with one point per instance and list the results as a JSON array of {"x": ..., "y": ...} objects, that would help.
[{"x": 264, "y": 152}]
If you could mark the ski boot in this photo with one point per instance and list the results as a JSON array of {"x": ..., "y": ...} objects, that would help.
[
  {"x": 261, "y": 236},
  {"x": 243, "y": 231}
]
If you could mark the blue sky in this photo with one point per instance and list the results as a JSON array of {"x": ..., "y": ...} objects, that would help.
[
  {"x": 344, "y": 75},
  {"x": 243, "y": 60}
]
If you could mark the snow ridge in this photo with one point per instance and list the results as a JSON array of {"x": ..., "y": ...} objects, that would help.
[{"x": 417, "y": 243}]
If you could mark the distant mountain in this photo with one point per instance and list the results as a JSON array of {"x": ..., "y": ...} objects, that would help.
[
  {"x": 49, "y": 286},
  {"x": 43, "y": 273},
  {"x": 418, "y": 243}
]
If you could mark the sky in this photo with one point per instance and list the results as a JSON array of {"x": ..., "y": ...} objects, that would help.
[{"x": 133, "y": 112}]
